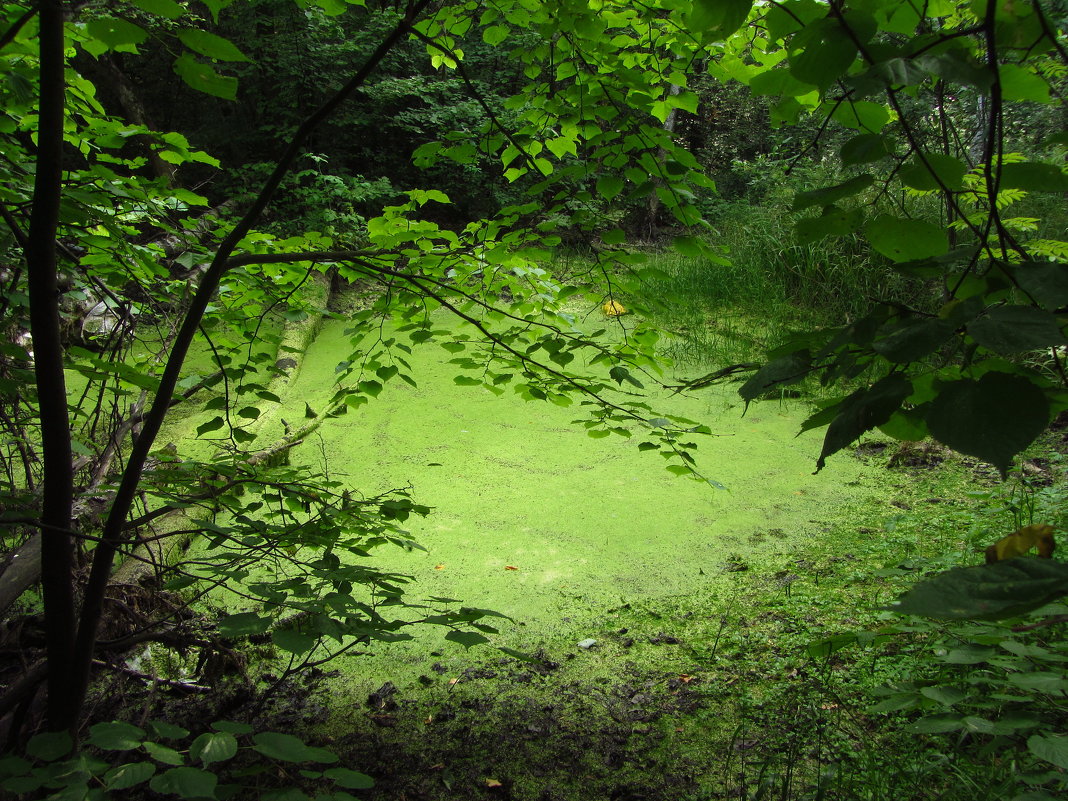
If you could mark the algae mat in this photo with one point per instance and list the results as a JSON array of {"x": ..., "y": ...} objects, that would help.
[{"x": 535, "y": 519}]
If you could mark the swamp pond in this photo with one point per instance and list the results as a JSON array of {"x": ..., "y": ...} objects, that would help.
[{"x": 617, "y": 577}]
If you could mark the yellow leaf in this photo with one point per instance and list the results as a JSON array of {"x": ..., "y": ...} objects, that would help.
[
  {"x": 1037, "y": 535},
  {"x": 613, "y": 308}
]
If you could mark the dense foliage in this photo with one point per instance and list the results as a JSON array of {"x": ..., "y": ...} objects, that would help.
[{"x": 180, "y": 181}]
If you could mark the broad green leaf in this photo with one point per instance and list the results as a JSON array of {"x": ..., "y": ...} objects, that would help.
[
  {"x": 185, "y": 782},
  {"x": 211, "y": 45},
  {"x": 861, "y": 115},
  {"x": 117, "y": 34},
  {"x": 1053, "y": 748},
  {"x": 906, "y": 425},
  {"x": 468, "y": 638},
  {"x": 862, "y": 411},
  {"x": 161, "y": 8},
  {"x": 620, "y": 374},
  {"x": 1013, "y": 329},
  {"x": 779, "y": 82},
  {"x": 161, "y": 753},
  {"x": 213, "y": 746},
  {"x": 295, "y": 642},
  {"x": 212, "y": 425},
  {"x": 204, "y": 78},
  {"x": 1021, "y": 84},
  {"x": 833, "y": 222},
  {"x": 167, "y": 731},
  {"x": 50, "y": 746},
  {"x": 947, "y": 696},
  {"x": 779, "y": 372},
  {"x": 1045, "y": 681},
  {"x": 248, "y": 412},
  {"x": 116, "y": 736},
  {"x": 125, "y": 776},
  {"x": 717, "y": 19},
  {"x": 829, "y": 195},
  {"x": 243, "y": 623},
  {"x": 288, "y": 748},
  {"x": 690, "y": 246},
  {"x": 939, "y": 724},
  {"x": 821, "y": 53},
  {"x": 933, "y": 172},
  {"x": 987, "y": 592},
  {"x": 1045, "y": 282},
  {"x": 495, "y": 34},
  {"x": 863, "y": 149},
  {"x": 992, "y": 419},
  {"x": 906, "y": 240},
  {"x": 1033, "y": 176},
  {"x": 609, "y": 186},
  {"x": 913, "y": 339},
  {"x": 349, "y": 779},
  {"x": 956, "y": 66}
]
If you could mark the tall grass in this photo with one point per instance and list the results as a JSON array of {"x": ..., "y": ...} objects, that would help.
[{"x": 772, "y": 285}]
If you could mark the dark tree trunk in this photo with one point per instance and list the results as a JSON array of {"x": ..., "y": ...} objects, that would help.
[{"x": 57, "y": 552}]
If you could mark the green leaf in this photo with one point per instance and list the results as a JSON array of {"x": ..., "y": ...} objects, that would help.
[
  {"x": 349, "y": 779},
  {"x": 1021, "y": 84},
  {"x": 161, "y": 753},
  {"x": 1013, "y": 329},
  {"x": 690, "y": 246},
  {"x": 161, "y": 8},
  {"x": 906, "y": 425},
  {"x": 116, "y": 736},
  {"x": 1033, "y": 176},
  {"x": 832, "y": 194},
  {"x": 212, "y": 425},
  {"x": 49, "y": 746},
  {"x": 125, "y": 776},
  {"x": 204, "y": 78},
  {"x": 117, "y": 34},
  {"x": 717, "y": 19},
  {"x": 288, "y": 748},
  {"x": 211, "y": 45},
  {"x": 913, "y": 339},
  {"x": 248, "y": 412},
  {"x": 821, "y": 53},
  {"x": 862, "y": 411},
  {"x": 987, "y": 592},
  {"x": 294, "y": 642},
  {"x": 938, "y": 168},
  {"x": 609, "y": 186},
  {"x": 1052, "y": 748},
  {"x": 992, "y": 419},
  {"x": 906, "y": 240},
  {"x": 939, "y": 724},
  {"x": 167, "y": 731},
  {"x": 779, "y": 372},
  {"x": 242, "y": 624},
  {"x": 185, "y": 782},
  {"x": 495, "y": 34},
  {"x": 1046, "y": 282},
  {"x": 778, "y": 82},
  {"x": 213, "y": 746},
  {"x": 861, "y": 115},
  {"x": 467, "y": 638},
  {"x": 863, "y": 149},
  {"x": 833, "y": 222},
  {"x": 620, "y": 374}
]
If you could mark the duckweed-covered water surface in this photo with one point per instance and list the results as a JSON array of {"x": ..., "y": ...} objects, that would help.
[{"x": 533, "y": 518}]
